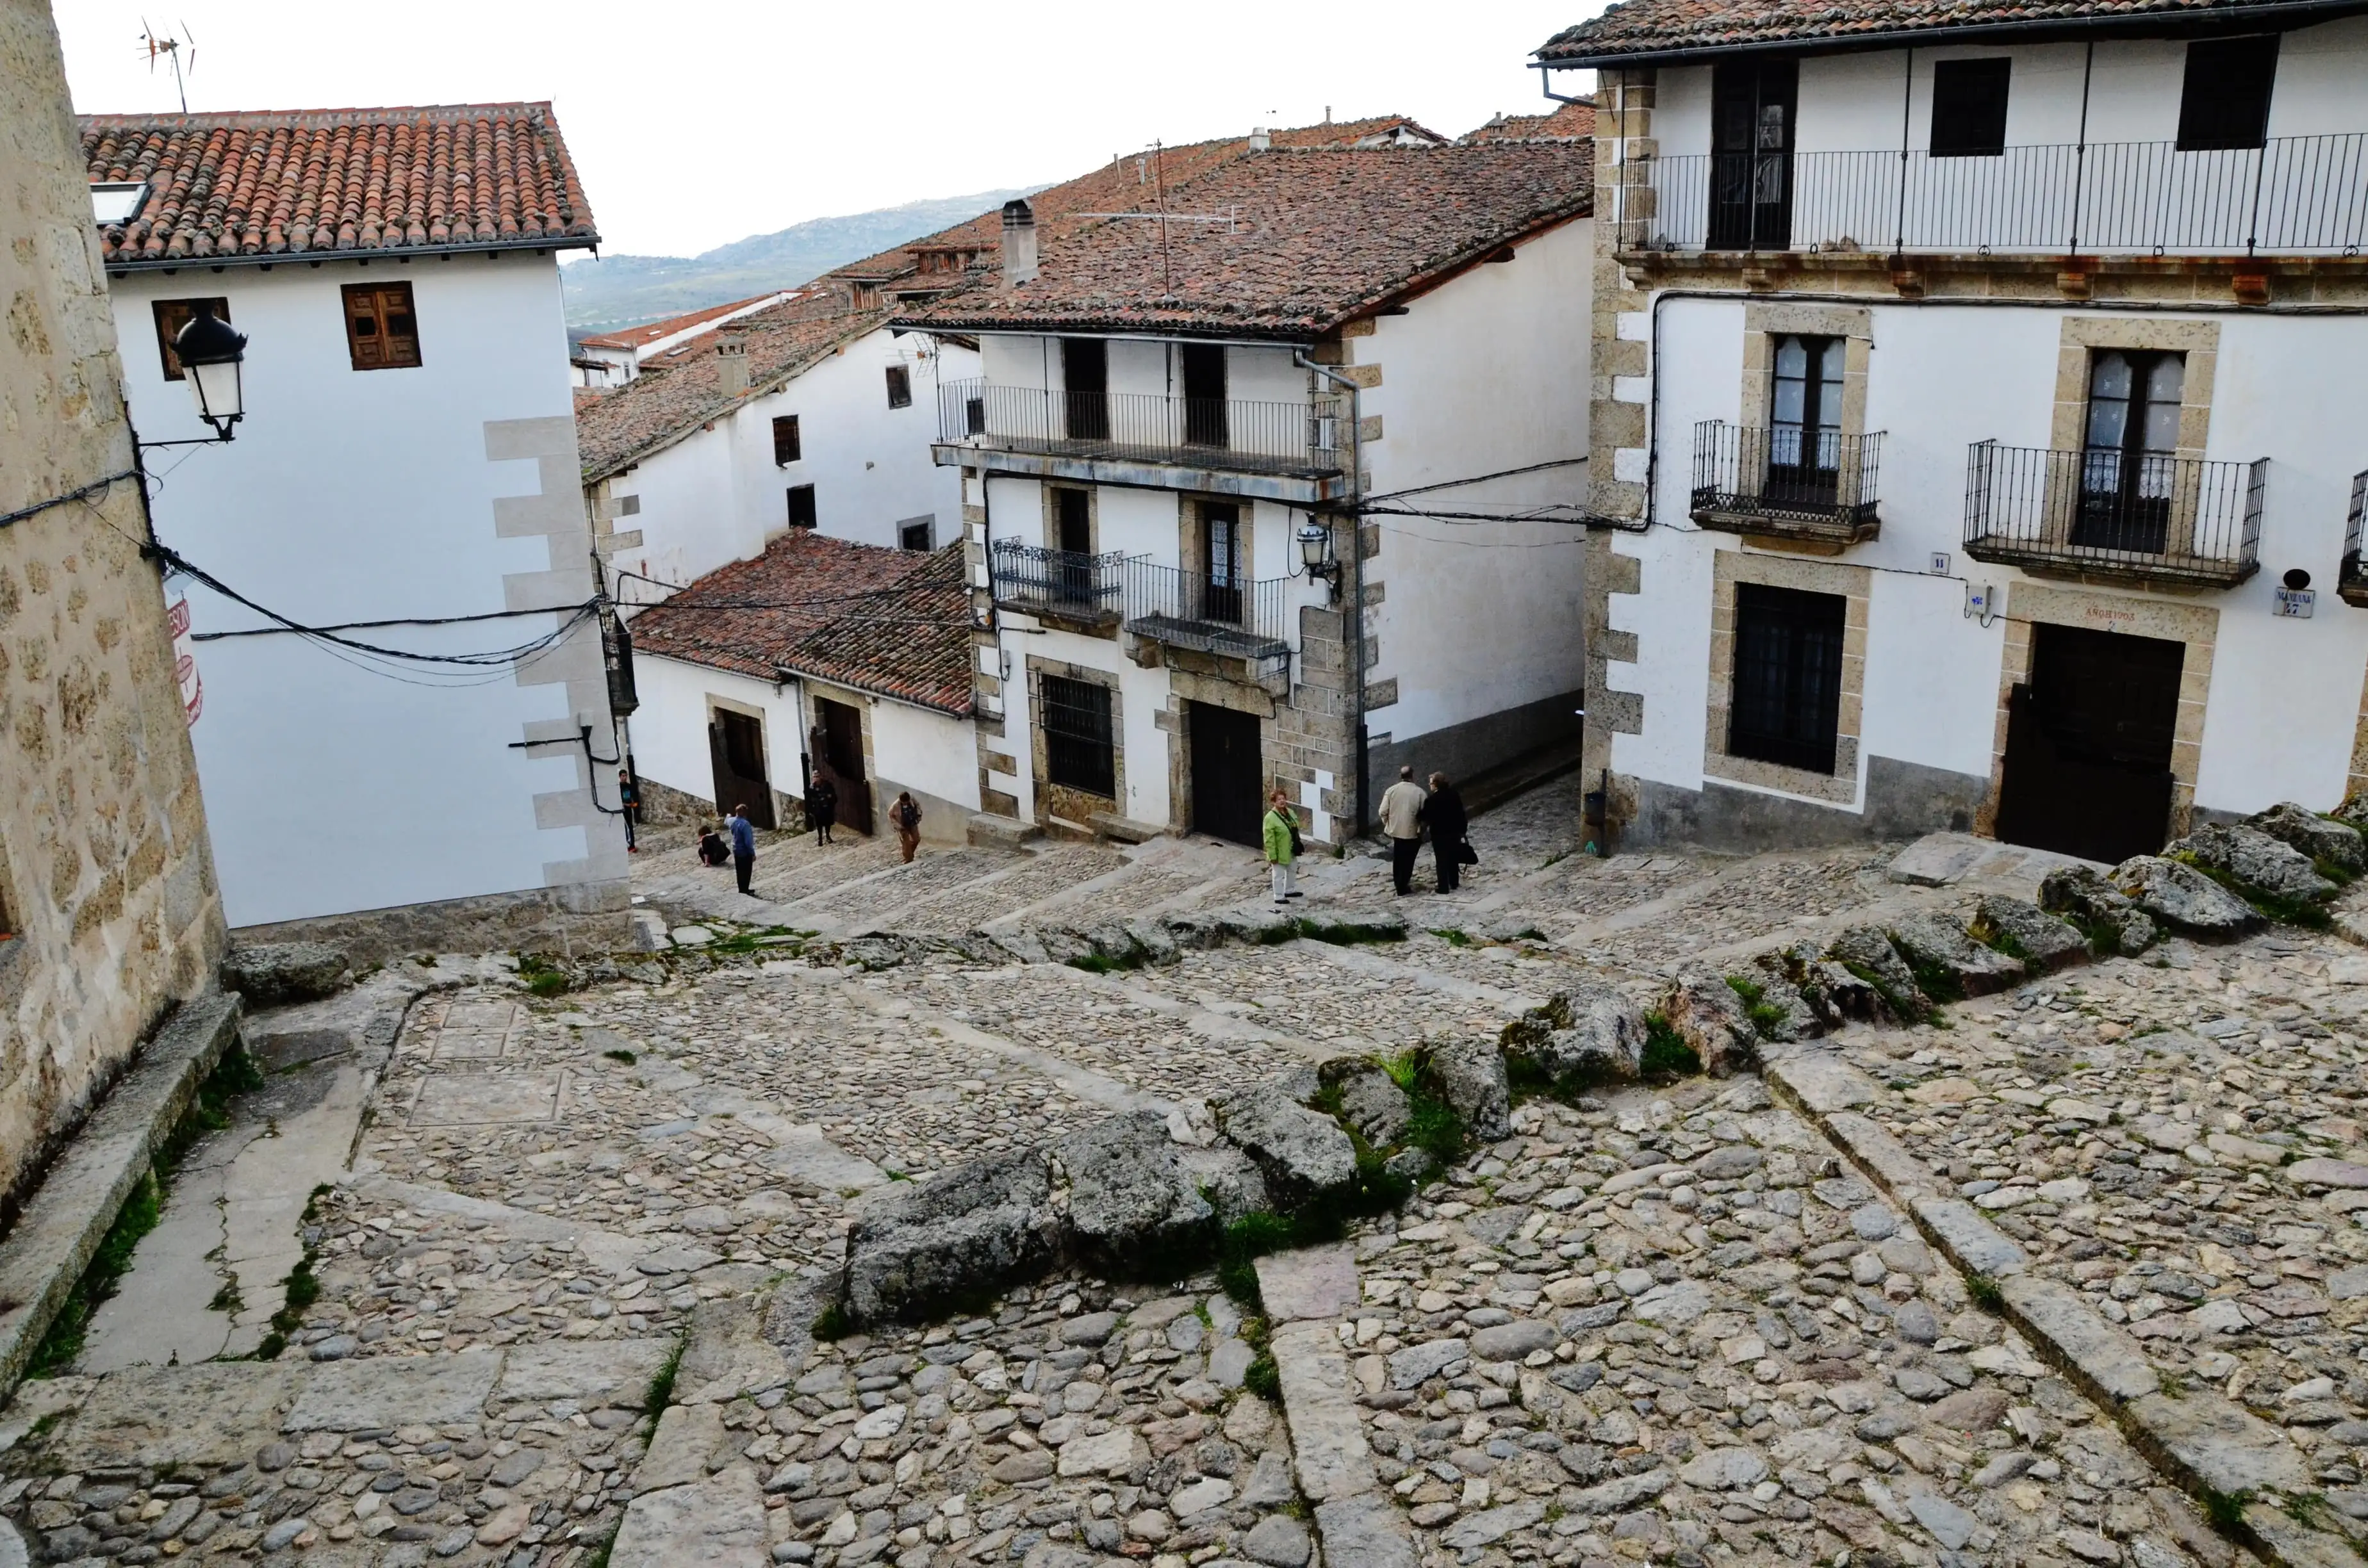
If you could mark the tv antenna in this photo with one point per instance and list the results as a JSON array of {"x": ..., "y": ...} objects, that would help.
[{"x": 180, "y": 52}]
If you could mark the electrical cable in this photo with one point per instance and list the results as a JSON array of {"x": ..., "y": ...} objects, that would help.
[
  {"x": 400, "y": 620},
  {"x": 95, "y": 487},
  {"x": 1477, "y": 479}
]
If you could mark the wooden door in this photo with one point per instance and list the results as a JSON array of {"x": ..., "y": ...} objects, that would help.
[
  {"x": 842, "y": 753},
  {"x": 736, "y": 746},
  {"x": 1752, "y": 106},
  {"x": 2089, "y": 741},
  {"x": 1227, "y": 777}
]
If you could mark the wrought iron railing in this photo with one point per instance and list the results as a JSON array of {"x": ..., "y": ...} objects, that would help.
[
  {"x": 1786, "y": 479},
  {"x": 2293, "y": 195},
  {"x": 1186, "y": 609},
  {"x": 2138, "y": 516},
  {"x": 1058, "y": 582},
  {"x": 2351, "y": 581},
  {"x": 1237, "y": 433}
]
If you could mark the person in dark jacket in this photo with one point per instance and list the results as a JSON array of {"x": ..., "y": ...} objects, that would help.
[
  {"x": 905, "y": 816},
  {"x": 713, "y": 850},
  {"x": 744, "y": 847},
  {"x": 1444, "y": 815},
  {"x": 821, "y": 806}
]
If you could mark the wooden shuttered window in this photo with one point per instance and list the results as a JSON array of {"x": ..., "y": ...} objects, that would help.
[
  {"x": 172, "y": 315},
  {"x": 381, "y": 329},
  {"x": 786, "y": 449}
]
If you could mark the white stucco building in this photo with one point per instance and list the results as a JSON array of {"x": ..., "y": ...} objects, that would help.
[
  {"x": 1167, "y": 408},
  {"x": 407, "y": 472},
  {"x": 1973, "y": 434}
]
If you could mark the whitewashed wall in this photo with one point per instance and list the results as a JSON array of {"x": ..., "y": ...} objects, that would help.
[
  {"x": 365, "y": 496},
  {"x": 2280, "y": 715}
]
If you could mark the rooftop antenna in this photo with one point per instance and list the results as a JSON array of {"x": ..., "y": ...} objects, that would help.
[
  {"x": 180, "y": 52},
  {"x": 1159, "y": 189}
]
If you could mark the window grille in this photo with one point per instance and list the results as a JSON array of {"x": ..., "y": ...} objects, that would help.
[
  {"x": 1078, "y": 751},
  {"x": 1788, "y": 677}
]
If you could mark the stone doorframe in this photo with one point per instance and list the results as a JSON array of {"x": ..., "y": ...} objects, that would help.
[
  {"x": 1058, "y": 805},
  {"x": 1852, "y": 584},
  {"x": 1196, "y": 686},
  {"x": 2196, "y": 626}
]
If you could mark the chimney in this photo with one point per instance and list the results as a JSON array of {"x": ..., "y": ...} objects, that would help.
[
  {"x": 1019, "y": 244},
  {"x": 1259, "y": 140},
  {"x": 732, "y": 365}
]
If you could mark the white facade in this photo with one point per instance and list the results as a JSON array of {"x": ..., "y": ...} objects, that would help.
[
  {"x": 716, "y": 495},
  {"x": 334, "y": 782}
]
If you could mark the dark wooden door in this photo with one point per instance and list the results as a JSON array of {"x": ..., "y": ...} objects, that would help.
[
  {"x": 1752, "y": 154},
  {"x": 1205, "y": 422},
  {"x": 1226, "y": 775},
  {"x": 2089, "y": 739},
  {"x": 842, "y": 752},
  {"x": 735, "y": 744}
]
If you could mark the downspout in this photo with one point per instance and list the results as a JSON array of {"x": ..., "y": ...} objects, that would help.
[{"x": 1357, "y": 566}]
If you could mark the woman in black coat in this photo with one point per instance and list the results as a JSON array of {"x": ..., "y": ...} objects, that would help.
[
  {"x": 821, "y": 806},
  {"x": 1443, "y": 813}
]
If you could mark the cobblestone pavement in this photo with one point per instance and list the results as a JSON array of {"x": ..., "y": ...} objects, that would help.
[{"x": 1667, "y": 1325}]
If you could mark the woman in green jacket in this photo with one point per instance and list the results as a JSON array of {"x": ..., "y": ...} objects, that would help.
[{"x": 1283, "y": 847}]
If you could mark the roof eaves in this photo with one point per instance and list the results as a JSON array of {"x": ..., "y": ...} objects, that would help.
[
  {"x": 215, "y": 263},
  {"x": 813, "y": 670}
]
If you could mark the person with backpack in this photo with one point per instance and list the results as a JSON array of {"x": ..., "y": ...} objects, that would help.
[
  {"x": 905, "y": 816},
  {"x": 1281, "y": 839}
]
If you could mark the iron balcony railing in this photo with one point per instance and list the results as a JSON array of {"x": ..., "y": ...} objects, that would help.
[
  {"x": 1785, "y": 480},
  {"x": 1186, "y": 609},
  {"x": 2351, "y": 581},
  {"x": 2139, "y": 516},
  {"x": 1233, "y": 433},
  {"x": 2293, "y": 195},
  {"x": 1058, "y": 582}
]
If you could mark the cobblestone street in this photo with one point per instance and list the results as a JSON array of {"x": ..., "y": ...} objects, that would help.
[{"x": 1679, "y": 1322}]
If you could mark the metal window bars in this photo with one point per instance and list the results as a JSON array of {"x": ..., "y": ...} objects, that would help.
[
  {"x": 1182, "y": 609},
  {"x": 2351, "y": 581},
  {"x": 2293, "y": 195},
  {"x": 1065, "y": 582},
  {"x": 1234, "y": 433},
  {"x": 1785, "y": 480},
  {"x": 2142, "y": 516},
  {"x": 1080, "y": 749}
]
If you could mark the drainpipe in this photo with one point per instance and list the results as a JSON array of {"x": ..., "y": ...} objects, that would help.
[{"x": 1356, "y": 592}]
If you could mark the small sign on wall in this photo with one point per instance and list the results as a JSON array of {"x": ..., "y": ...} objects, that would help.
[
  {"x": 184, "y": 661},
  {"x": 2295, "y": 603}
]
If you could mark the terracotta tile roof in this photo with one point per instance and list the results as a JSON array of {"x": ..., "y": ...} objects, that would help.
[
  {"x": 1319, "y": 236},
  {"x": 1641, "y": 30},
  {"x": 1570, "y": 119},
  {"x": 893, "y": 623},
  {"x": 681, "y": 391},
  {"x": 328, "y": 182},
  {"x": 651, "y": 332}
]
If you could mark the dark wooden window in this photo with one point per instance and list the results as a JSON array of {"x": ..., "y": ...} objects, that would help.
[
  {"x": 1788, "y": 677},
  {"x": 172, "y": 315},
  {"x": 919, "y": 534},
  {"x": 900, "y": 387},
  {"x": 1220, "y": 563},
  {"x": 1084, "y": 376},
  {"x": 786, "y": 449},
  {"x": 1073, "y": 521},
  {"x": 801, "y": 507},
  {"x": 1078, "y": 751},
  {"x": 381, "y": 329},
  {"x": 2225, "y": 102},
  {"x": 2128, "y": 461},
  {"x": 1969, "y": 108},
  {"x": 1205, "y": 424}
]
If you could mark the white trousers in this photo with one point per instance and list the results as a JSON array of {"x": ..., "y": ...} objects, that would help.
[{"x": 1286, "y": 876}]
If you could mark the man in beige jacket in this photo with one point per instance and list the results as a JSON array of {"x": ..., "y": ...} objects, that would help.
[{"x": 1402, "y": 820}]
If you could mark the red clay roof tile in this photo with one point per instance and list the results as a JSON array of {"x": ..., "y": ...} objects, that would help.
[{"x": 1644, "y": 29}]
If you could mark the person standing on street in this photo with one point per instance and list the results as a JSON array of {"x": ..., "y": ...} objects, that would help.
[
  {"x": 905, "y": 816},
  {"x": 629, "y": 806},
  {"x": 821, "y": 806},
  {"x": 744, "y": 847},
  {"x": 1281, "y": 841},
  {"x": 1443, "y": 813},
  {"x": 1402, "y": 820}
]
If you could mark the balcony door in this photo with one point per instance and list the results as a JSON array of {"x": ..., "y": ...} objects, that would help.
[
  {"x": 1804, "y": 438},
  {"x": 2128, "y": 463},
  {"x": 1220, "y": 563},
  {"x": 1204, "y": 394},
  {"x": 1752, "y": 105},
  {"x": 1084, "y": 375},
  {"x": 1073, "y": 526}
]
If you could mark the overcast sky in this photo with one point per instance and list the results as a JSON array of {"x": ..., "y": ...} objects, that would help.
[{"x": 699, "y": 122}]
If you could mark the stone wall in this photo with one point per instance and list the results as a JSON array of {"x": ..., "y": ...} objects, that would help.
[
  {"x": 107, "y": 885},
  {"x": 572, "y": 919}
]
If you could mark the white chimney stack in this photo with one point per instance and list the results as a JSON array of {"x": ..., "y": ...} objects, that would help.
[
  {"x": 732, "y": 365},
  {"x": 1019, "y": 244},
  {"x": 1259, "y": 140}
]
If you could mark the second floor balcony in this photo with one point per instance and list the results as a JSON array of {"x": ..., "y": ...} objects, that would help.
[
  {"x": 1088, "y": 591},
  {"x": 1292, "y": 452},
  {"x": 2291, "y": 196},
  {"x": 2351, "y": 581},
  {"x": 1806, "y": 485},
  {"x": 2114, "y": 515},
  {"x": 1234, "y": 619}
]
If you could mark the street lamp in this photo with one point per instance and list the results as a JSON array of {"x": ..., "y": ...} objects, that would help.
[
  {"x": 1315, "y": 551},
  {"x": 210, "y": 353}
]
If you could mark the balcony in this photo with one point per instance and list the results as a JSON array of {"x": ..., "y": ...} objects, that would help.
[
  {"x": 1088, "y": 591},
  {"x": 1184, "y": 610},
  {"x": 2294, "y": 196},
  {"x": 2351, "y": 581},
  {"x": 1285, "y": 452},
  {"x": 1813, "y": 487},
  {"x": 2115, "y": 516}
]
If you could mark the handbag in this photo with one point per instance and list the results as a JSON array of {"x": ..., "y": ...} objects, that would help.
[
  {"x": 1295, "y": 845},
  {"x": 1465, "y": 855}
]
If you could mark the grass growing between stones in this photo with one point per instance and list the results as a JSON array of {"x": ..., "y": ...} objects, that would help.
[
  {"x": 1766, "y": 1017},
  {"x": 1985, "y": 1292},
  {"x": 831, "y": 1324},
  {"x": 2225, "y": 1511},
  {"x": 543, "y": 977},
  {"x": 1906, "y": 1009},
  {"x": 2304, "y": 911},
  {"x": 1666, "y": 1053},
  {"x": 1454, "y": 937},
  {"x": 660, "y": 1389},
  {"x": 299, "y": 1289}
]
